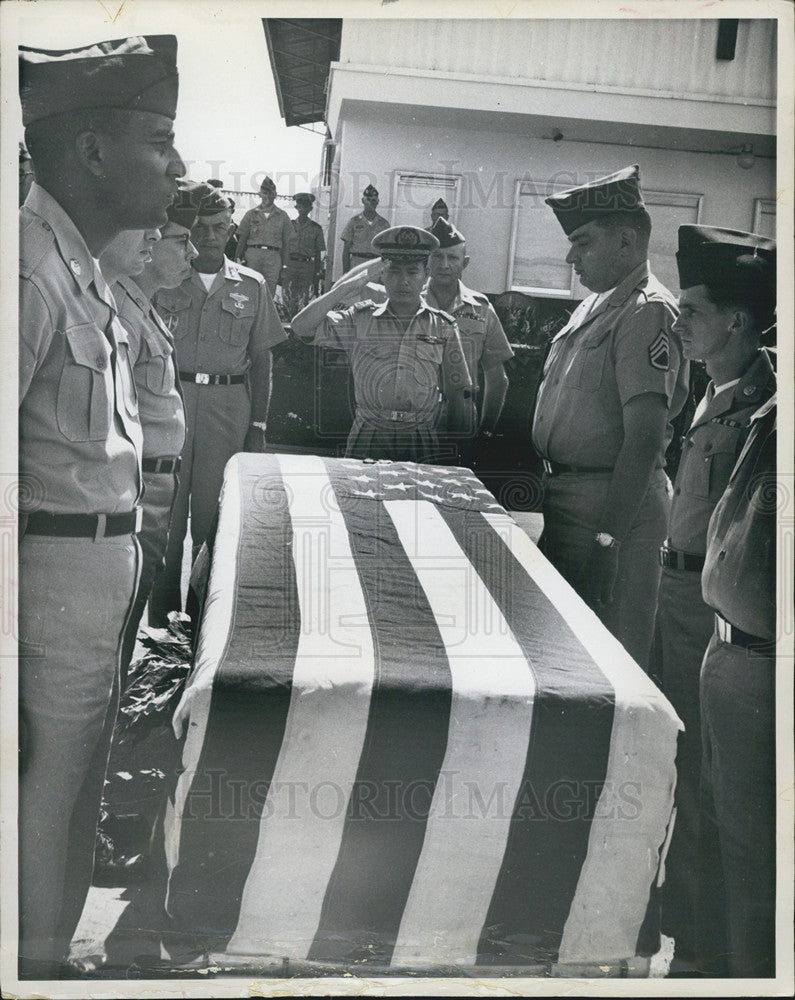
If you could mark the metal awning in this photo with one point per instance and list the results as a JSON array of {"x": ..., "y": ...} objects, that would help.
[{"x": 301, "y": 52}]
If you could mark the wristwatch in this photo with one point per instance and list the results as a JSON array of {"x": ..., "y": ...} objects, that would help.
[{"x": 605, "y": 540}]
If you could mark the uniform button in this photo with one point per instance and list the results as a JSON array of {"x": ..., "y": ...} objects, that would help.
[
  {"x": 749, "y": 390},
  {"x": 75, "y": 266},
  {"x": 46, "y": 225},
  {"x": 101, "y": 362}
]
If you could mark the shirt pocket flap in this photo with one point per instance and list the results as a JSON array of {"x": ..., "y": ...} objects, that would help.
[
  {"x": 173, "y": 300},
  {"x": 238, "y": 308},
  {"x": 85, "y": 347}
]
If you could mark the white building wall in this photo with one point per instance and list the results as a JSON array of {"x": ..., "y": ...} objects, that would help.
[
  {"x": 491, "y": 162},
  {"x": 663, "y": 56}
]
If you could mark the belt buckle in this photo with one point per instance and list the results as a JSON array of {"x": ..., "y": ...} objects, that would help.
[
  {"x": 99, "y": 531},
  {"x": 139, "y": 516},
  {"x": 547, "y": 467},
  {"x": 396, "y": 415},
  {"x": 723, "y": 629},
  {"x": 202, "y": 378}
]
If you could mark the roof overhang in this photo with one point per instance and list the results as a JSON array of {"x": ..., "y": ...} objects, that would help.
[{"x": 301, "y": 51}]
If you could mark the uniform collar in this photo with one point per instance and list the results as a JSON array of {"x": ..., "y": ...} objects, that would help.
[
  {"x": 750, "y": 388},
  {"x": 229, "y": 271},
  {"x": 464, "y": 296},
  {"x": 383, "y": 308},
  {"x": 71, "y": 245},
  {"x": 637, "y": 276}
]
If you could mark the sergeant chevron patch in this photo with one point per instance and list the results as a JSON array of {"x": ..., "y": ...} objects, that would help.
[{"x": 658, "y": 352}]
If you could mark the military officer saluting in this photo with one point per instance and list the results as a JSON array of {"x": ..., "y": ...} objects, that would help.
[
  {"x": 486, "y": 347},
  {"x": 224, "y": 323},
  {"x": 728, "y": 283},
  {"x": 360, "y": 231},
  {"x": 413, "y": 388},
  {"x": 613, "y": 380},
  {"x": 264, "y": 237},
  {"x": 99, "y": 128}
]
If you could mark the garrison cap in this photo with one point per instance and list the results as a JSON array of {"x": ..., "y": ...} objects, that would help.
[
  {"x": 133, "y": 74},
  {"x": 24, "y": 155},
  {"x": 618, "y": 192},
  {"x": 305, "y": 197},
  {"x": 404, "y": 243},
  {"x": 185, "y": 206},
  {"x": 215, "y": 182},
  {"x": 370, "y": 192},
  {"x": 729, "y": 262},
  {"x": 440, "y": 205},
  {"x": 214, "y": 202},
  {"x": 268, "y": 185},
  {"x": 446, "y": 233}
]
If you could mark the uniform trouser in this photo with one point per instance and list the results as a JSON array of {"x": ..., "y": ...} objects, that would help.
[
  {"x": 268, "y": 263},
  {"x": 74, "y": 598},
  {"x": 398, "y": 441},
  {"x": 153, "y": 536},
  {"x": 218, "y": 418},
  {"x": 297, "y": 284},
  {"x": 684, "y": 626},
  {"x": 572, "y": 505},
  {"x": 736, "y": 911}
]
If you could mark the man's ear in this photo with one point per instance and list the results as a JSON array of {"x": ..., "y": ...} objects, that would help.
[
  {"x": 742, "y": 322},
  {"x": 90, "y": 152},
  {"x": 466, "y": 261},
  {"x": 628, "y": 238}
]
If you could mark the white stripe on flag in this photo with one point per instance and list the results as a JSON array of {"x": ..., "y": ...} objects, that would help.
[
  {"x": 304, "y": 814},
  {"x": 626, "y": 837},
  {"x": 490, "y": 719},
  {"x": 194, "y": 706}
]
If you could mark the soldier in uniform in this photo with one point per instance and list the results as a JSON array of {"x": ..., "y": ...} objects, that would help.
[
  {"x": 360, "y": 231},
  {"x": 160, "y": 406},
  {"x": 224, "y": 323},
  {"x": 98, "y": 124},
  {"x": 26, "y": 176},
  {"x": 264, "y": 237},
  {"x": 439, "y": 210},
  {"x": 413, "y": 388},
  {"x": 486, "y": 347},
  {"x": 613, "y": 380},
  {"x": 728, "y": 299},
  {"x": 305, "y": 265},
  {"x": 737, "y": 827}
]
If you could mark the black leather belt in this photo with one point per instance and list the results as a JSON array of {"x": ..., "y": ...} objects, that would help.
[
  {"x": 301, "y": 257},
  {"x": 557, "y": 468},
  {"x": 369, "y": 256},
  {"x": 94, "y": 526},
  {"x": 205, "y": 378},
  {"x": 727, "y": 632},
  {"x": 161, "y": 464},
  {"x": 262, "y": 246},
  {"x": 676, "y": 559}
]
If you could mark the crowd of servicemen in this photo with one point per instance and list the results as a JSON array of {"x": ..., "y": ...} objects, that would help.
[{"x": 145, "y": 364}]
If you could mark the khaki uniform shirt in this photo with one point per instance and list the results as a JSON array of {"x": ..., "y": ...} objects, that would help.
[
  {"x": 709, "y": 452},
  {"x": 396, "y": 370},
  {"x": 226, "y": 331},
  {"x": 79, "y": 436},
  {"x": 482, "y": 335},
  {"x": 739, "y": 577},
  {"x": 160, "y": 406},
  {"x": 360, "y": 232},
  {"x": 308, "y": 239},
  {"x": 275, "y": 230},
  {"x": 598, "y": 362}
]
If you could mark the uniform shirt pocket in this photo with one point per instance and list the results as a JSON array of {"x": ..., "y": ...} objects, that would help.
[
  {"x": 174, "y": 310},
  {"x": 430, "y": 352},
  {"x": 158, "y": 366},
  {"x": 586, "y": 367},
  {"x": 235, "y": 322},
  {"x": 83, "y": 406}
]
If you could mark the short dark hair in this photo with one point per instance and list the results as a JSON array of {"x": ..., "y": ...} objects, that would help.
[
  {"x": 638, "y": 220},
  {"x": 49, "y": 139},
  {"x": 757, "y": 299}
]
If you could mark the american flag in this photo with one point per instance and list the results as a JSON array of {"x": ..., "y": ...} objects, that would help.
[{"x": 407, "y": 741}]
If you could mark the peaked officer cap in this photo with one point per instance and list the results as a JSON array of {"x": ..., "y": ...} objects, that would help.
[
  {"x": 134, "y": 74},
  {"x": 370, "y": 192},
  {"x": 187, "y": 201},
  {"x": 404, "y": 243},
  {"x": 214, "y": 202},
  {"x": 618, "y": 192},
  {"x": 446, "y": 233}
]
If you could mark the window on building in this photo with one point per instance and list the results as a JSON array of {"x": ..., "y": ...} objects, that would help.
[
  {"x": 765, "y": 217},
  {"x": 537, "y": 260},
  {"x": 414, "y": 193}
]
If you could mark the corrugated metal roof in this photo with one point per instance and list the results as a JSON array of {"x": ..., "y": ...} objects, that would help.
[{"x": 301, "y": 51}]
